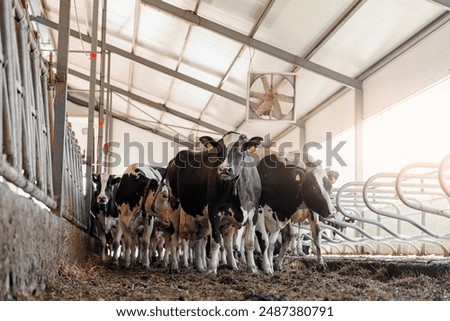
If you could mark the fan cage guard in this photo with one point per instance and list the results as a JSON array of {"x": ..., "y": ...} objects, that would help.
[{"x": 285, "y": 91}]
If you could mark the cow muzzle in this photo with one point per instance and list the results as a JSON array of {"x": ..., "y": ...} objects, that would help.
[
  {"x": 101, "y": 200},
  {"x": 225, "y": 172}
]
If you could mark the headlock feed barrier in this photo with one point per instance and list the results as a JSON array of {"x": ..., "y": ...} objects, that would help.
[
  {"x": 27, "y": 95},
  {"x": 393, "y": 213}
]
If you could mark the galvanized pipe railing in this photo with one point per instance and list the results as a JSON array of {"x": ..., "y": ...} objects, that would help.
[
  {"x": 443, "y": 167},
  {"x": 398, "y": 190},
  {"x": 27, "y": 96},
  {"x": 399, "y": 187},
  {"x": 25, "y": 135}
]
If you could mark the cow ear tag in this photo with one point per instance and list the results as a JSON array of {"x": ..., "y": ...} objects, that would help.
[
  {"x": 298, "y": 178},
  {"x": 252, "y": 149},
  {"x": 209, "y": 146}
]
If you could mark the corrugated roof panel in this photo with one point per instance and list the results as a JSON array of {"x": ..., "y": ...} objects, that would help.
[
  {"x": 377, "y": 28},
  {"x": 312, "y": 89},
  {"x": 224, "y": 112},
  {"x": 235, "y": 14},
  {"x": 120, "y": 19},
  {"x": 161, "y": 33},
  {"x": 151, "y": 83},
  {"x": 208, "y": 55},
  {"x": 294, "y": 25},
  {"x": 183, "y": 4},
  {"x": 141, "y": 112},
  {"x": 176, "y": 124},
  {"x": 165, "y": 59},
  {"x": 119, "y": 104},
  {"x": 189, "y": 98}
]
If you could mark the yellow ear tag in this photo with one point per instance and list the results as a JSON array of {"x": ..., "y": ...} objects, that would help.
[
  {"x": 252, "y": 149},
  {"x": 209, "y": 146},
  {"x": 298, "y": 178}
]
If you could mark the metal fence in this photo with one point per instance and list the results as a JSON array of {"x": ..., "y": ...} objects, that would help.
[
  {"x": 26, "y": 116},
  {"x": 394, "y": 213}
]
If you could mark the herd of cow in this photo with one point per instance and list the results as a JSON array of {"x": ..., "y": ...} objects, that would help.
[{"x": 212, "y": 206}]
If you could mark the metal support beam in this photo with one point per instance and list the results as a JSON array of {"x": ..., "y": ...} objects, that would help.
[
  {"x": 359, "y": 119},
  {"x": 443, "y": 3},
  {"x": 92, "y": 100},
  {"x": 60, "y": 99},
  {"x": 81, "y": 102},
  {"x": 101, "y": 111},
  {"x": 153, "y": 104},
  {"x": 264, "y": 47},
  {"x": 152, "y": 65}
]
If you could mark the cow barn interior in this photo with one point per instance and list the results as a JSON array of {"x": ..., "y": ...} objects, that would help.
[{"x": 355, "y": 87}]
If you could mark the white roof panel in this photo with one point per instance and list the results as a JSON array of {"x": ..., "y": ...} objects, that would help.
[
  {"x": 294, "y": 25},
  {"x": 235, "y": 14},
  {"x": 371, "y": 29},
  {"x": 377, "y": 28}
]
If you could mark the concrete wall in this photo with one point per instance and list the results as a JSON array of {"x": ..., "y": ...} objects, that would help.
[{"x": 33, "y": 244}]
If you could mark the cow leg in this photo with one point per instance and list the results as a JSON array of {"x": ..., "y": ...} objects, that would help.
[
  {"x": 315, "y": 232},
  {"x": 116, "y": 245},
  {"x": 250, "y": 246},
  {"x": 173, "y": 241},
  {"x": 239, "y": 245},
  {"x": 287, "y": 234},
  {"x": 200, "y": 255},
  {"x": 264, "y": 243},
  {"x": 128, "y": 246},
  {"x": 185, "y": 257},
  {"x": 228, "y": 244},
  {"x": 145, "y": 241},
  {"x": 216, "y": 238},
  {"x": 102, "y": 238}
]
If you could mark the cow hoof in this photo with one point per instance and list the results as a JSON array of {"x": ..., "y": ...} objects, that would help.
[
  {"x": 320, "y": 268},
  {"x": 252, "y": 270},
  {"x": 174, "y": 271},
  {"x": 278, "y": 268},
  {"x": 211, "y": 271}
]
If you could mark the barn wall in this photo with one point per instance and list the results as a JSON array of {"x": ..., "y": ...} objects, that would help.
[
  {"x": 422, "y": 66},
  {"x": 34, "y": 243}
]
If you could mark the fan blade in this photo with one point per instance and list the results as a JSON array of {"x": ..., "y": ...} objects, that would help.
[
  {"x": 265, "y": 84},
  {"x": 285, "y": 98},
  {"x": 279, "y": 84},
  {"x": 258, "y": 95},
  {"x": 263, "y": 108},
  {"x": 276, "y": 110}
]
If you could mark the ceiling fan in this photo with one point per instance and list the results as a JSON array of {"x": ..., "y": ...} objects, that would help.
[{"x": 271, "y": 96}]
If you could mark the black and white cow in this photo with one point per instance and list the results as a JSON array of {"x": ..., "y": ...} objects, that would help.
[
  {"x": 103, "y": 208},
  {"x": 287, "y": 188},
  {"x": 139, "y": 183},
  {"x": 220, "y": 183}
]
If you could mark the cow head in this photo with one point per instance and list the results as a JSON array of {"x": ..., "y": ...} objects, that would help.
[
  {"x": 105, "y": 185},
  {"x": 316, "y": 190},
  {"x": 232, "y": 148}
]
